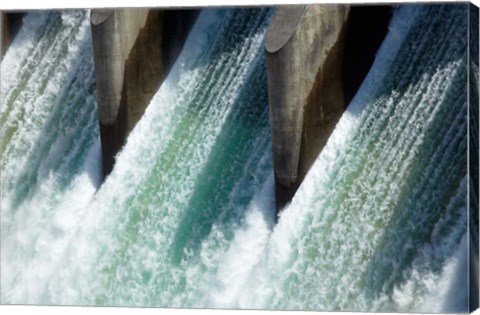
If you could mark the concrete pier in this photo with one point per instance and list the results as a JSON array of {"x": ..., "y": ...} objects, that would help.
[
  {"x": 133, "y": 50},
  {"x": 304, "y": 45}
]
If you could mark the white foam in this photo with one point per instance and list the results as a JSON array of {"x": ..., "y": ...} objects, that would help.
[{"x": 245, "y": 251}]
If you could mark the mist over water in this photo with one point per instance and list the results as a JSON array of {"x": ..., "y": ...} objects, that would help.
[{"x": 187, "y": 217}]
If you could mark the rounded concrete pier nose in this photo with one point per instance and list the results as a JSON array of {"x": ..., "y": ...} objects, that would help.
[{"x": 283, "y": 25}]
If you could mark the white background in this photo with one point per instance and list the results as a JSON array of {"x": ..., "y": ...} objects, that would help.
[{"x": 52, "y": 4}]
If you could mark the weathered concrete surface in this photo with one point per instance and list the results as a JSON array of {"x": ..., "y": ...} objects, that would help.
[
  {"x": 304, "y": 45},
  {"x": 10, "y": 21},
  {"x": 133, "y": 50}
]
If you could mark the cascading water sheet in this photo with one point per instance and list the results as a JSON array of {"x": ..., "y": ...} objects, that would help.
[
  {"x": 49, "y": 148},
  {"x": 186, "y": 174},
  {"x": 380, "y": 221}
]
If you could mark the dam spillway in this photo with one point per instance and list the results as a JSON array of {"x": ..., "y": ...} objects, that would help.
[
  {"x": 187, "y": 216},
  {"x": 304, "y": 46},
  {"x": 133, "y": 51},
  {"x": 317, "y": 56},
  {"x": 135, "y": 48}
]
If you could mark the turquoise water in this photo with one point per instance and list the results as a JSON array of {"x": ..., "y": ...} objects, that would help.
[{"x": 186, "y": 218}]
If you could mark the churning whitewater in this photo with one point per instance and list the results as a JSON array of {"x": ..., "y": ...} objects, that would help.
[{"x": 187, "y": 217}]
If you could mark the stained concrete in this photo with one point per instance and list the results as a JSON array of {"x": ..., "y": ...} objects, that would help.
[
  {"x": 133, "y": 50},
  {"x": 304, "y": 45}
]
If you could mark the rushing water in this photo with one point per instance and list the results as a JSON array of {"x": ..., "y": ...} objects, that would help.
[{"x": 186, "y": 218}]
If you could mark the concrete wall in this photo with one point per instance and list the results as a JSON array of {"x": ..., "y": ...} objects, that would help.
[
  {"x": 10, "y": 23},
  {"x": 133, "y": 51},
  {"x": 304, "y": 45}
]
